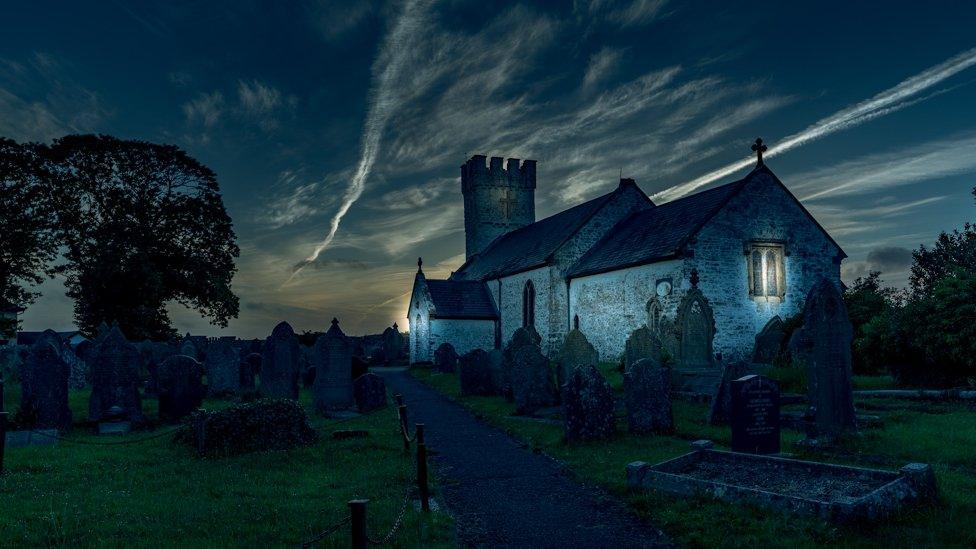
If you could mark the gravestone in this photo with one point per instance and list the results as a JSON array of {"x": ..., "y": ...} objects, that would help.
[
  {"x": 115, "y": 379},
  {"x": 369, "y": 391},
  {"x": 180, "y": 387},
  {"x": 575, "y": 351},
  {"x": 153, "y": 355},
  {"x": 588, "y": 408},
  {"x": 445, "y": 358},
  {"x": 306, "y": 365},
  {"x": 223, "y": 369},
  {"x": 392, "y": 344},
  {"x": 250, "y": 367},
  {"x": 823, "y": 347},
  {"x": 647, "y": 394},
  {"x": 359, "y": 366},
  {"x": 332, "y": 360},
  {"x": 695, "y": 323},
  {"x": 641, "y": 344},
  {"x": 44, "y": 385},
  {"x": 769, "y": 342},
  {"x": 475, "y": 374},
  {"x": 279, "y": 364},
  {"x": 188, "y": 347},
  {"x": 755, "y": 415},
  {"x": 78, "y": 377},
  {"x": 496, "y": 369},
  {"x": 532, "y": 384},
  {"x": 525, "y": 336},
  {"x": 720, "y": 409}
]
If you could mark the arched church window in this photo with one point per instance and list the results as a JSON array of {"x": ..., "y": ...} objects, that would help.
[
  {"x": 654, "y": 315},
  {"x": 528, "y": 304},
  {"x": 766, "y": 272}
]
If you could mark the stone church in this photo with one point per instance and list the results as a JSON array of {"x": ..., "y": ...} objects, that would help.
[{"x": 707, "y": 272}]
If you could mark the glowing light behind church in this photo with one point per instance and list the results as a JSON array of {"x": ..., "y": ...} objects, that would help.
[{"x": 891, "y": 100}]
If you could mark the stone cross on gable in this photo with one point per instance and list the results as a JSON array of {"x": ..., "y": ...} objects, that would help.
[
  {"x": 758, "y": 147},
  {"x": 508, "y": 201}
]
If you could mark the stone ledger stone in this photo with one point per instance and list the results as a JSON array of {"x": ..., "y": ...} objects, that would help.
[
  {"x": 647, "y": 394},
  {"x": 445, "y": 358},
  {"x": 44, "y": 384},
  {"x": 332, "y": 359},
  {"x": 755, "y": 415},
  {"x": 223, "y": 369},
  {"x": 475, "y": 374},
  {"x": 181, "y": 388},
  {"x": 115, "y": 379},
  {"x": 588, "y": 407},
  {"x": 532, "y": 382},
  {"x": 279, "y": 364},
  {"x": 575, "y": 351},
  {"x": 370, "y": 392}
]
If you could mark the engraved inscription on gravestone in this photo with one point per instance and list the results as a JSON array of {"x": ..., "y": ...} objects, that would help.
[{"x": 755, "y": 415}]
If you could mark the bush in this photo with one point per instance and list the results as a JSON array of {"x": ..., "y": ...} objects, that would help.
[{"x": 266, "y": 424}]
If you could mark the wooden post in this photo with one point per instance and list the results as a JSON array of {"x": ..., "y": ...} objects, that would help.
[
  {"x": 3, "y": 437},
  {"x": 357, "y": 509},
  {"x": 422, "y": 481},
  {"x": 404, "y": 428}
]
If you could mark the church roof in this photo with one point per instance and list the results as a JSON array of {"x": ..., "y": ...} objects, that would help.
[
  {"x": 461, "y": 299},
  {"x": 530, "y": 246}
]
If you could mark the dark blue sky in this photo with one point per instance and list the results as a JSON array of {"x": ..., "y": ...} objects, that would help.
[{"x": 304, "y": 107}]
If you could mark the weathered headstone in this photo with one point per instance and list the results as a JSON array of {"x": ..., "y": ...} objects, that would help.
[
  {"x": 392, "y": 344},
  {"x": 279, "y": 364},
  {"x": 755, "y": 415},
  {"x": 647, "y": 394},
  {"x": 78, "y": 377},
  {"x": 223, "y": 369},
  {"x": 475, "y": 374},
  {"x": 188, "y": 347},
  {"x": 522, "y": 337},
  {"x": 250, "y": 367},
  {"x": 575, "y": 351},
  {"x": 720, "y": 409},
  {"x": 306, "y": 365},
  {"x": 180, "y": 387},
  {"x": 115, "y": 379},
  {"x": 769, "y": 342},
  {"x": 369, "y": 391},
  {"x": 445, "y": 358},
  {"x": 823, "y": 346},
  {"x": 496, "y": 369},
  {"x": 641, "y": 344},
  {"x": 44, "y": 385},
  {"x": 532, "y": 383},
  {"x": 359, "y": 366},
  {"x": 332, "y": 359},
  {"x": 588, "y": 409}
]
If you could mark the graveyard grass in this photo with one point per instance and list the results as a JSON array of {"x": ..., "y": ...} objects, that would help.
[
  {"x": 156, "y": 492},
  {"x": 940, "y": 433}
]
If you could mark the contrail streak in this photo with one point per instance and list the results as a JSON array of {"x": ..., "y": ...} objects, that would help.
[
  {"x": 886, "y": 102},
  {"x": 387, "y": 70}
]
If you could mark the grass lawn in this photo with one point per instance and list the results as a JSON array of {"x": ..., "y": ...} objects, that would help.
[
  {"x": 942, "y": 434},
  {"x": 157, "y": 493}
]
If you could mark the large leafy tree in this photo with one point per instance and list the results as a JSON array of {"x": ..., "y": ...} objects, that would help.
[
  {"x": 951, "y": 252},
  {"x": 142, "y": 225},
  {"x": 26, "y": 243}
]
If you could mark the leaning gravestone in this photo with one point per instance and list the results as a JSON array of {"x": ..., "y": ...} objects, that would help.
[
  {"x": 115, "y": 379},
  {"x": 369, "y": 391},
  {"x": 720, "y": 409},
  {"x": 332, "y": 359},
  {"x": 44, "y": 385},
  {"x": 445, "y": 358},
  {"x": 392, "y": 344},
  {"x": 823, "y": 346},
  {"x": 180, "y": 387},
  {"x": 647, "y": 394},
  {"x": 588, "y": 410},
  {"x": 250, "y": 366},
  {"x": 641, "y": 344},
  {"x": 769, "y": 342},
  {"x": 532, "y": 380},
  {"x": 475, "y": 374},
  {"x": 223, "y": 366},
  {"x": 575, "y": 351},
  {"x": 279, "y": 364},
  {"x": 755, "y": 415}
]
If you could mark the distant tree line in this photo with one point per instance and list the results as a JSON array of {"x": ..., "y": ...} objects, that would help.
[{"x": 130, "y": 225}]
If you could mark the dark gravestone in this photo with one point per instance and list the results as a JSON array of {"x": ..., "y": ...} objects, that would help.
[
  {"x": 641, "y": 344},
  {"x": 496, "y": 369},
  {"x": 532, "y": 383},
  {"x": 575, "y": 351},
  {"x": 755, "y": 415},
  {"x": 333, "y": 364},
  {"x": 720, "y": 409},
  {"x": 588, "y": 405},
  {"x": 695, "y": 324},
  {"x": 44, "y": 385},
  {"x": 823, "y": 346},
  {"x": 647, "y": 394},
  {"x": 392, "y": 344},
  {"x": 279, "y": 364},
  {"x": 475, "y": 374},
  {"x": 445, "y": 358},
  {"x": 78, "y": 377},
  {"x": 180, "y": 387},
  {"x": 769, "y": 342},
  {"x": 188, "y": 347},
  {"x": 115, "y": 379},
  {"x": 359, "y": 366},
  {"x": 522, "y": 337},
  {"x": 369, "y": 391},
  {"x": 223, "y": 369},
  {"x": 153, "y": 355},
  {"x": 250, "y": 367},
  {"x": 306, "y": 365}
]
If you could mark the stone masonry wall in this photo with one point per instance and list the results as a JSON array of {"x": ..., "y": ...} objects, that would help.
[
  {"x": 464, "y": 335},
  {"x": 510, "y": 305}
]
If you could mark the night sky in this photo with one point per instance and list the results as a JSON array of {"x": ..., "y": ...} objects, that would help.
[{"x": 309, "y": 110}]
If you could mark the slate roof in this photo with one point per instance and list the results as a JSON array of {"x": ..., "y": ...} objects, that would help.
[
  {"x": 30, "y": 338},
  {"x": 530, "y": 246},
  {"x": 462, "y": 299}
]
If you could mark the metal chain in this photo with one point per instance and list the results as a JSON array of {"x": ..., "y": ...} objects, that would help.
[
  {"x": 326, "y": 533},
  {"x": 112, "y": 443},
  {"x": 396, "y": 524}
]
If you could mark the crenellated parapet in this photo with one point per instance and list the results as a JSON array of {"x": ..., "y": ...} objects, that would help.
[{"x": 499, "y": 197}]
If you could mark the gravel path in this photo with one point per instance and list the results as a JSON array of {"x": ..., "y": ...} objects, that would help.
[{"x": 503, "y": 494}]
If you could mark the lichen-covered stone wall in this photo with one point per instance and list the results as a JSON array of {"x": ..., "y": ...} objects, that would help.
[{"x": 465, "y": 335}]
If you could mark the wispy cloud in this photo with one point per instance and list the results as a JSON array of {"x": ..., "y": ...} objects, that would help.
[
  {"x": 601, "y": 66},
  {"x": 891, "y": 100},
  {"x": 205, "y": 108},
  {"x": 624, "y": 14}
]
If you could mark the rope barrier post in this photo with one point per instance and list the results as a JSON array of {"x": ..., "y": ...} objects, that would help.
[
  {"x": 404, "y": 427},
  {"x": 422, "y": 480},
  {"x": 202, "y": 433},
  {"x": 357, "y": 510},
  {"x": 3, "y": 437}
]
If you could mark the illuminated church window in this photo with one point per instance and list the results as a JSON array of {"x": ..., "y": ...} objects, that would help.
[{"x": 766, "y": 273}]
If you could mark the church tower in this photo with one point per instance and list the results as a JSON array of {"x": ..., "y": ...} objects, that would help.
[{"x": 496, "y": 199}]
